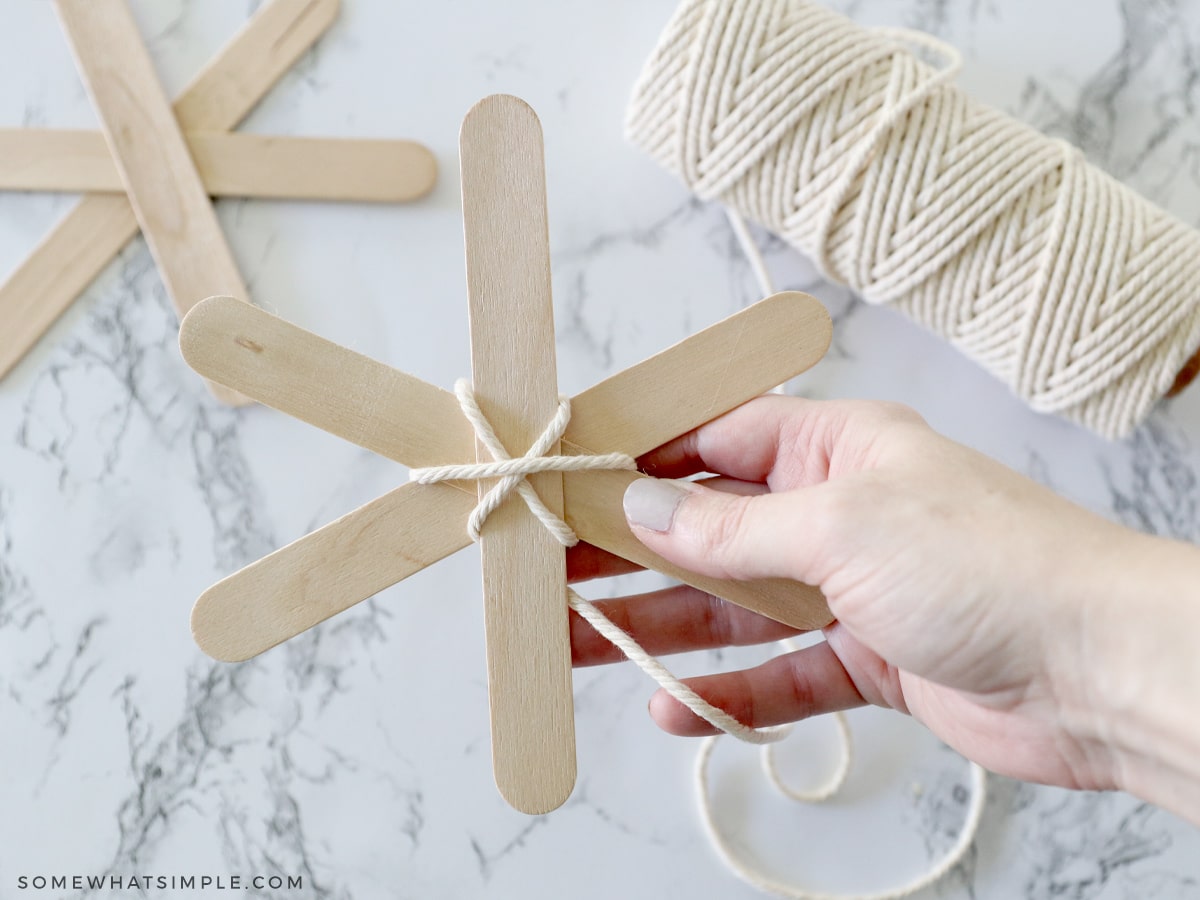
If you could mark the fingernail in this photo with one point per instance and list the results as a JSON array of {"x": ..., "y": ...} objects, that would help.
[{"x": 651, "y": 503}]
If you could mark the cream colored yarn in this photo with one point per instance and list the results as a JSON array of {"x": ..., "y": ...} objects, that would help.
[
  {"x": 1077, "y": 293},
  {"x": 513, "y": 473}
]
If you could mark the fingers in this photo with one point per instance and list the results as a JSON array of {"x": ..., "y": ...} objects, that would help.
[
  {"x": 783, "y": 441},
  {"x": 808, "y": 682},
  {"x": 730, "y": 536},
  {"x": 585, "y": 562},
  {"x": 674, "y": 620},
  {"x": 742, "y": 444}
]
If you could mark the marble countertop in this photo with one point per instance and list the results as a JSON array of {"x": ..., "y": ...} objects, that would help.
[{"x": 357, "y": 755}]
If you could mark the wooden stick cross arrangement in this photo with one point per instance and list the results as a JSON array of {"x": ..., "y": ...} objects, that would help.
[
  {"x": 514, "y": 382},
  {"x": 156, "y": 166}
]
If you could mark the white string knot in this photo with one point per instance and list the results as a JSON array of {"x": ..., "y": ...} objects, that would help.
[{"x": 513, "y": 474}]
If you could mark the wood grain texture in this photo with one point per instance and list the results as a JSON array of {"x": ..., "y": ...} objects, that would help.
[
  {"x": 317, "y": 381},
  {"x": 516, "y": 385},
  {"x": 235, "y": 80},
  {"x": 161, "y": 181},
  {"x": 75, "y": 251},
  {"x": 230, "y": 165},
  {"x": 702, "y": 376},
  {"x": 417, "y": 424},
  {"x": 360, "y": 554}
]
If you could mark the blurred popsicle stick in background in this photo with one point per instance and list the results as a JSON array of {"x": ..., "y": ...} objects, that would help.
[{"x": 230, "y": 165}]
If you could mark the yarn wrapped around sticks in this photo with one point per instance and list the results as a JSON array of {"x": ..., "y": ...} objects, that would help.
[{"x": 1076, "y": 292}]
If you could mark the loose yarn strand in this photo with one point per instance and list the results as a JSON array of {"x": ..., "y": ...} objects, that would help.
[
  {"x": 750, "y": 249},
  {"x": 1081, "y": 296},
  {"x": 512, "y": 477},
  {"x": 634, "y": 652}
]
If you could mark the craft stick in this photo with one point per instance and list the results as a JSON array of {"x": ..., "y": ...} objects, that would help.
[
  {"x": 176, "y": 217},
  {"x": 516, "y": 384},
  {"x": 268, "y": 45},
  {"x": 413, "y": 526},
  {"x": 317, "y": 381},
  {"x": 58, "y": 270},
  {"x": 359, "y": 169},
  {"x": 230, "y": 165},
  {"x": 417, "y": 424},
  {"x": 75, "y": 251},
  {"x": 281, "y": 595},
  {"x": 702, "y": 376}
]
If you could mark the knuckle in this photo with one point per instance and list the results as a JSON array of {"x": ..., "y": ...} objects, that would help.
[
  {"x": 722, "y": 532},
  {"x": 803, "y": 693},
  {"x": 836, "y": 513},
  {"x": 900, "y": 412},
  {"x": 716, "y": 620},
  {"x": 832, "y": 504}
]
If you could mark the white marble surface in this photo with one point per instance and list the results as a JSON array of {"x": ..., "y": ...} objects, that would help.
[{"x": 357, "y": 755}]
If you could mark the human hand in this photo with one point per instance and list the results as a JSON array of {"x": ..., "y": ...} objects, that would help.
[{"x": 965, "y": 594}]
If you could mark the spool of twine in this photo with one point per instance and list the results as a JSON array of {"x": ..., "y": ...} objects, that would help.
[{"x": 1080, "y": 295}]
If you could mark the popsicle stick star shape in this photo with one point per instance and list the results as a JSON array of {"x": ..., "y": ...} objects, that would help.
[
  {"x": 155, "y": 165},
  {"x": 417, "y": 424}
]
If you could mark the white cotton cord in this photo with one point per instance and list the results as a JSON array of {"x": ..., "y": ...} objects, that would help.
[
  {"x": 512, "y": 474},
  {"x": 750, "y": 249},
  {"x": 837, "y": 778},
  {"x": 1078, "y": 294},
  {"x": 752, "y": 873},
  {"x": 522, "y": 467},
  {"x": 822, "y": 792},
  {"x": 754, "y": 257},
  {"x": 714, "y": 715}
]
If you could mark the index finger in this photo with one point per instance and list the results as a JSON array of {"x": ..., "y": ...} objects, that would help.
[{"x": 783, "y": 442}]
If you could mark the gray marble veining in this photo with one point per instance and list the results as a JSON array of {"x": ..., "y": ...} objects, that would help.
[{"x": 356, "y": 756}]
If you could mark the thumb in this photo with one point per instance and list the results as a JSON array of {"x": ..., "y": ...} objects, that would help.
[{"x": 720, "y": 534}]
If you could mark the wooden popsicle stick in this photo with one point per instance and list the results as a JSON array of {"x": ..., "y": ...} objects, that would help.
[
  {"x": 515, "y": 382},
  {"x": 305, "y": 168},
  {"x": 380, "y": 544},
  {"x": 230, "y": 165},
  {"x": 356, "y": 557},
  {"x": 164, "y": 188},
  {"x": 58, "y": 270},
  {"x": 702, "y": 376},
  {"x": 415, "y": 423},
  {"x": 234, "y": 80},
  {"x": 74, "y": 252},
  {"x": 281, "y": 365},
  {"x": 46, "y": 159}
]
